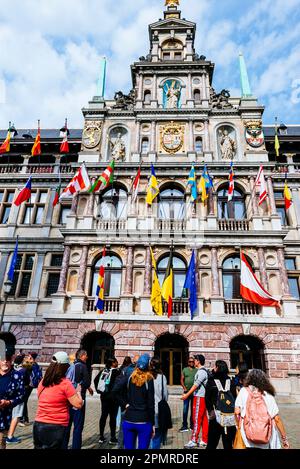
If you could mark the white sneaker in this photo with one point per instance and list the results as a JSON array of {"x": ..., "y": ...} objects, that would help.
[
  {"x": 191, "y": 444},
  {"x": 203, "y": 445}
]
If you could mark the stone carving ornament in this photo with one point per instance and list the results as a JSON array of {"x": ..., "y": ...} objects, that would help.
[
  {"x": 254, "y": 134},
  {"x": 172, "y": 95},
  {"x": 172, "y": 137},
  {"x": 118, "y": 148},
  {"x": 124, "y": 101},
  {"x": 219, "y": 100},
  {"x": 91, "y": 135},
  {"x": 227, "y": 145}
]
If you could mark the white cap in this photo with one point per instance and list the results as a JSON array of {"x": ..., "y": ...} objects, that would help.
[{"x": 61, "y": 358}]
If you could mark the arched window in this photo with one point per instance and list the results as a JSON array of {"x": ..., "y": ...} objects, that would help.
[
  {"x": 147, "y": 97},
  {"x": 113, "y": 204},
  {"x": 197, "y": 96},
  {"x": 99, "y": 345},
  {"x": 172, "y": 49},
  {"x": 198, "y": 145},
  {"x": 112, "y": 277},
  {"x": 232, "y": 278},
  {"x": 171, "y": 204},
  {"x": 235, "y": 209},
  {"x": 145, "y": 145},
  {"x": 179, "y": 274}
]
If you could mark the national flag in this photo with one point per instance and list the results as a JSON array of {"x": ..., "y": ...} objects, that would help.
[
  {"x": 153, "y": 189},
  {"x": 208, "y": 180},
  {"x": 99, "y": 299},
  {"x": 251, "y": 289},
  {"x": 167, "y": 288},
  {"x": 25, "y": 194},
  {"x": 57, "y": 195},
  {"x": 106, "y": 178},
  {"x": 193, "y": 184},
  {"x": 231, "y": 183},
  {"x": 5, "y": 147},
  {"x": 287, "y": 197},
  {"x": 135, "y": 186},
  {"x": 11, "y": 272},
  {"x": 156, "y": 296},
  {"x": 80, "y": 182},
  {"x": 277, "y": 143},
  {"x": 64, "y": 132},
  {"x": 191, "y": 285},
  {"x": 261, "y": 183},
  {"x": 36, "y": 149}
]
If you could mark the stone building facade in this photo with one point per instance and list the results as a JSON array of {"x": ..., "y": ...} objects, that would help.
[{"x": 172, "y": 118}]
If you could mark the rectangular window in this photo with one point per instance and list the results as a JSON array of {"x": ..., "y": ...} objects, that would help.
[
  {"x": 167, "y": 56},
  {"x": 6, "y": 199},
  {"x": 35, "y": 210},
  {"x": 290, "y": 263},
  {"x": 22, "y": 277},
  {"x": 56, "y": 260},
  {"x": 294, "y": 287},
  {"x": 283, "y": 216},
  {"x": 53, "y": 282},
  {"x": 64, "y": 212}
]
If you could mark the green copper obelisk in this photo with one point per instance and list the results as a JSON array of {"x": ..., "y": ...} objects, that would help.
[
  {"x": 102, "y": 78},
  {"x": 245, "y": 85}
]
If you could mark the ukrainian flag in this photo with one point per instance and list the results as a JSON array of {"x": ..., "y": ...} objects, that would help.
[
  {"x": 153, "y": 189},
  {"x": 99, "y": 300}
]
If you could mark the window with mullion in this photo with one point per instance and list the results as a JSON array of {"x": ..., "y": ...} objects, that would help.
[
  {"x": 35, "y": 208},
  {"x": 6, "y": 199},
  {"x": 22, "y": 275}
]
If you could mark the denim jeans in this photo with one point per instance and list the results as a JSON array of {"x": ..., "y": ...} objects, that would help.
[
  {"x": 158, "y": 439},
  {"x": 77, "y": 417},
  {"x": 48, "y": 435},
  {"x": 186, "y": 404}
]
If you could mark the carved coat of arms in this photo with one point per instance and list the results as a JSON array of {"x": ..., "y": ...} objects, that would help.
[
  {"x": 91, "y": 135},
  {"x": 172, "y": 137},
  {"x": 254, "y": 133}
]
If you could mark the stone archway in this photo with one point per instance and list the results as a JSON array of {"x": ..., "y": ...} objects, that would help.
[
  {"x": 249, "y": 349},
  {"x": 173, "y": 351},
  {"x": 10, "y": 342},
  {"x": 99, "y": 345}
]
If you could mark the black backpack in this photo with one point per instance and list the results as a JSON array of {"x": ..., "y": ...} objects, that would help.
[
  {"x": 224, "y": 409},
  {"x": 164, "y": 412}
]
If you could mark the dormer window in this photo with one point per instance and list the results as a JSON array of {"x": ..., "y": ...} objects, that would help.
[{"x": 172, "y": 49}]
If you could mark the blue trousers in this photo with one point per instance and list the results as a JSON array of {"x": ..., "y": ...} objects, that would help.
[
  {"x": 77, "y": 418},
  {"x": 186, "y": 404},
  {"x": 157, "y": 440},
  {"x": 137, "y": 431}
]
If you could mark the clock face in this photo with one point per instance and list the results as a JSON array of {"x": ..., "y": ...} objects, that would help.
[{"x": 91, "y": 136}]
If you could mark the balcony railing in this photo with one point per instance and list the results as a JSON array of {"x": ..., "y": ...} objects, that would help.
[
  {"x": 170, "y": 225},
  {"x": 40, "y": 169},
  {"x": 10, "y": 168},
  {"x": 111, "y": 225},
  {"x": 239, "y": 308},
  {"x": 111, "y": 305},
  {"x": 180, "y": 307},
  {"x": 234, "y": 225}
]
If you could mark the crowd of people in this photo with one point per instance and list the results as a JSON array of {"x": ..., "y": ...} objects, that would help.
[{"x": 242, "y": 410}]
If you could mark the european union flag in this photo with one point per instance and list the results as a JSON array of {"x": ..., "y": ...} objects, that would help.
[
  {"x": 11, "y": 271},
  {"x": 191, "y": 284}
]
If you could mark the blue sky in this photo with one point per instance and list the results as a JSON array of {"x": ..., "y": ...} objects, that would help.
[{"x": 50, "y": 51}]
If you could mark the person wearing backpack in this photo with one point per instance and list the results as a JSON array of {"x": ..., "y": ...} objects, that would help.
[
  {"x": 199, "y": 406},
  {"x": 258, "y": 415},
  {"x": 163, "y": 421},
  {"x": 220, "y": 398},
  {"x": 104, "y": 383}
]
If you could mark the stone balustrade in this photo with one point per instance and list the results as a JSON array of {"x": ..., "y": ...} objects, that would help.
[
  {"x": 234, "y": 225},
  {"x": 111, "y": 305},
  {"x": 238, "y": 307}
]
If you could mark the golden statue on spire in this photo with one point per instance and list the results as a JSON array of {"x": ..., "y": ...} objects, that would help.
[{"x": 172, "y": 3}]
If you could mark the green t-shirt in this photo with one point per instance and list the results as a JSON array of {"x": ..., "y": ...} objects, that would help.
[{"x": 189, "y": 377}]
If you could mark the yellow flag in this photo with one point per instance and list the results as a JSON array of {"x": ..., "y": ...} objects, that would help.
[
  {"x": 153, "y": 189},
  {"x": 202, "y": 189},
  {"x": 277, "y": 144},
  {"x": 156, "y": 298}
]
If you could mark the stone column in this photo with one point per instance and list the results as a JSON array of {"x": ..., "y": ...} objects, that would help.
[
  {"x": 189, "y": 93},
  {"x": 148, "y": 272},
  {"x": 272, "y": 197},
  {"x": 296, "y": 203},
  {"x": 283, "y": 273},
  {"x": 262, "y": 268},
  {"x": 35, "y": 289},
  {"x": 211, "y": 205},
  {"x": 64, "y": 270},
  {"x": 129, "y": 272},
  {"x": 204, "y": 96},
  {"x": 153, "y": 136},
  {"x": 91, "y": 204},
  {"x": 140, "y": 89},
  {"x": 3, "y": 266},
  {"x": 82, "y": 269},
  {"x": 155, "y": 88},
  {"x": 74, "y": 204},
  {"x": 206, "y": 142},
  {"x": 253, "y": 196},
  {"x": 137, "y": 138},
  {"x": 215, "y": 273},
  {"x": 191, "y": 135}
]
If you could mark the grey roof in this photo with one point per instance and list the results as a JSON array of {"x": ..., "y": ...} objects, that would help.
[
  {"x": 292, "y": 130},
  {"x": 45, "y": 133}
]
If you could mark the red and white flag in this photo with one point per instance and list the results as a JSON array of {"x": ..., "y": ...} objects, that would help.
[
  {"x": 80, "y": 182},
  {"x": 135, "y": 186},
  {"x": 261, "y": 183},
  {"x": 64, "y": 132},
  {"x": 231, "y": 183},
  {"x": 251, "y": 289}
]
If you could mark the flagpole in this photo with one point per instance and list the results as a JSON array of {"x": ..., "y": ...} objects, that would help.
[
  {"x": 241, "y": 279},
  {"x": 39, "y": 152}
]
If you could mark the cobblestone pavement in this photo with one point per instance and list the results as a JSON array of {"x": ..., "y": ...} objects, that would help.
[{"x": 290, "y": 414}]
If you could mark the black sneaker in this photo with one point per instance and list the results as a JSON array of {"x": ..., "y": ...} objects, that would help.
[
  {"x": 183, "y": 429},
  {"x": 101, "y": 440},
  {"x": 113, "y": 441}
]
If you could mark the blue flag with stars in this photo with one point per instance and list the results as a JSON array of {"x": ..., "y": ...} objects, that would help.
[
  {"x": 11, "y": 271},
  {"x": 191, "y": 285}
]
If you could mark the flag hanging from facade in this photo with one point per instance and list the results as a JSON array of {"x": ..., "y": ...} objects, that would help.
[
  {"x": 191, "y": 285},
  {"x": 106, "y": 178},
  {"x": 156, "y": 296},
  {"x": 25, "y": 194},
  {"x": 99, "y": 300},
  {"x": 80, "y": 182},
  {"x": 208, "y": 180},
  {"x": 277, "y": 143},
  {"x": 36, "y": 149},
  {"x": 287, "y": 197},
  {"x": 205, "y": 184},
  {"x": 167, "y": 288},
  {"x": 64, "y": 133},
  {"x": 153, "y": 189},
  {"x": 192, "y": 182},
  {"x": 57, "y": 195},
  {"x": 135, "y": 186},
  {"x": 11, "y": 272},
  {"x": 5, "y": 147},
  {"x": 231, "y": 183},
  {"x": 261, "y": 183},
  {"x": 251, "y": 289}
]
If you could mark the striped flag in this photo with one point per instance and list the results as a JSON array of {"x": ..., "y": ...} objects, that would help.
[
  {"x": 106, "y": 178},
  {"x": 99, "y": 299},
  {"x": 167, "y": 288},
  {"x": 25, "y": 194},
  {"x": 193, "y": 184},
  {"x": 36, "y": 149},
  {"x": 153, "y": 189},
  {"x": 80, "y": 182},
  {"x": 261, "y": 183},
  {"x": 64, "y": 132},
  {"x": 57, "y": 195},
  {"x": 135, "y": 186},
  {"x": 231, "y": 183},
  {"x": 287, "y": 197},
  {"x": 5, "y": 147},
  {"x": 156, "y": 297}
]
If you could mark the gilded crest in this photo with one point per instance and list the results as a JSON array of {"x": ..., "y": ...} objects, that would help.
[
  {"x": 91, "y": 135},
  {"x": 254, "y": 134},
  {"x": 172, "y": 137}
]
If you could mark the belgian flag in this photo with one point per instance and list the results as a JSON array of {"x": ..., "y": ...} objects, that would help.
[{"x": 167, "y": 288}]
